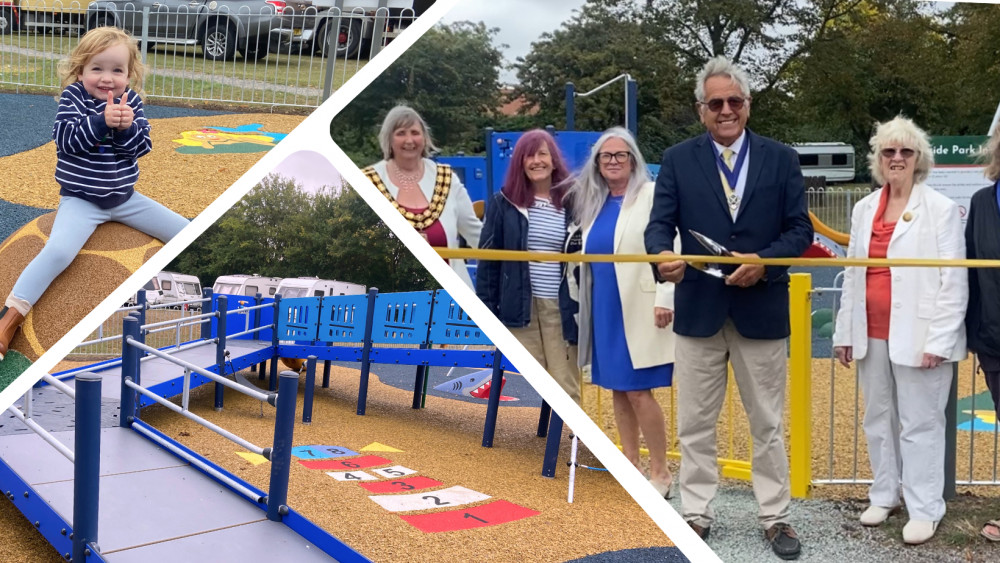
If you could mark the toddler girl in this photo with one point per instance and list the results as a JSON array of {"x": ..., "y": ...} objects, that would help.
[{"x": 100, "y": 131}]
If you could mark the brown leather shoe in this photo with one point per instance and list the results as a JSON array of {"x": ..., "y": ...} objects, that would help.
[
  {"x": 784, "y": 541},
  {"x": 702, "y": 531},
  {"x": 10, "y": 319}
]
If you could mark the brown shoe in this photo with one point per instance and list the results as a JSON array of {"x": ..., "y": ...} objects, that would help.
[
  {"x": 10, "y": 319},
  {"x": 702, "y": 531},
  {"x": 784, "y": 541}
]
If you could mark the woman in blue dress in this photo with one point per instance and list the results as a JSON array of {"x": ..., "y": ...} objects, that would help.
[{"x": 625, "y": 315}]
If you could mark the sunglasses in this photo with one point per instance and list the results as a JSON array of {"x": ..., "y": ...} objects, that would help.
[
  {"x": 905, "y": 153},
  {"x": 715, "y": 104},
  {"x": 607, "y": 157}
]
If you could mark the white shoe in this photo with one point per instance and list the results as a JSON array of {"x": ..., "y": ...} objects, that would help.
[
  {"x": 876, "y": 515},
  {"x": 916, "y": 532}
]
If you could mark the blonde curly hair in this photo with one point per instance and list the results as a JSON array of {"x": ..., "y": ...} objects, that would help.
[{"x": 95, "y": 42}]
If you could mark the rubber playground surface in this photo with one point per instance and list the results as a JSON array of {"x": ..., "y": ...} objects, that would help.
[
  {"x": 197, "y": 154},
  {"x": 517, "y": 514}
]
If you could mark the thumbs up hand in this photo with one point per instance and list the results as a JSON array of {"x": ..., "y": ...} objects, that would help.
[
  {"x": 126, "y": 112},
  {"x": 112, "y": 112}
]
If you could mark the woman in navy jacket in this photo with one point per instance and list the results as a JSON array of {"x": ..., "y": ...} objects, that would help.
[{"x": 532, "y": 298}]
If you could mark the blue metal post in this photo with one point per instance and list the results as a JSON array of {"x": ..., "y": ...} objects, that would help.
[
  {"x": 543, "y": 419},
  {"x": 493, "y": 405},
  {"x": 261, "y": 368},
  {"x": 326, "y": 374},
  {"x": 220, "y": 350},
  {"x": 272, "y": 383},
  {"x": 87, "y": 464},
  {"x": 281, "y": 451},
  {"x": 141, "y": 315},
  {"x": 366, "y": 351},
  {"x": 551, "y": 457},
  {"x": 130, "y": 369},
  {"x": 307, "y": 402},
  {"x": 631, "y": 106},
  {"x": 206, "y": 324},
  {"x": 570, "y": 106},
  {"x": 257, "y": 335},
  {"x": 490, "y": 149}
]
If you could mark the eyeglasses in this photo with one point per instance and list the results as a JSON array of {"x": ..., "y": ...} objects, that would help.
[
  {"x": 607, "y": 157},
  {"x": 905, "y": 153},
  {"x": 715, "y": 104}
]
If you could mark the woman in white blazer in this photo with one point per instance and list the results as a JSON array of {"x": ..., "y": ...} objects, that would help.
[
  {"x": 624, "y": 314},
  {"x": 904, "y": 325},
  {"x": 429, "y": 195}
]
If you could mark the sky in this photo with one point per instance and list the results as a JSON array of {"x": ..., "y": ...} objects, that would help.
[
  {"x": 310, "y": 169},
  {"x": 520, "y": 22}
]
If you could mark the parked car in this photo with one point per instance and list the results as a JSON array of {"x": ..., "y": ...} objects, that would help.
[
  {"x": 305, "y": 23},
  {"x": 220, "y": 27}
]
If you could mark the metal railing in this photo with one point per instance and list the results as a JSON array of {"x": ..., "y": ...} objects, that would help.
[
  {"x": 833, "y": 205},
  {"x": 261, "y": 56}
]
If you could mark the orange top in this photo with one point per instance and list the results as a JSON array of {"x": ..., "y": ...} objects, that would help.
[{"x": 879, "y": 280}]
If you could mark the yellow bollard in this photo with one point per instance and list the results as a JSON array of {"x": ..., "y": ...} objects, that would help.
[{"x": 800, "y": 385}]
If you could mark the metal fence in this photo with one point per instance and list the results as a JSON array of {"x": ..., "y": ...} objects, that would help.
[
  {"x": 272, "y": 54},
  {"x": 107, "y": 341},
  {"x": 841, "y": 451},
  {"x": 833, "y": 204}
]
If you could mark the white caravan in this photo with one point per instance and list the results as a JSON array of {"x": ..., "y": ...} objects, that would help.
[
  {"x": 315, "y": 287},
  {"x": 179, "y": 288},
  {"x": 243, "y": 284}
]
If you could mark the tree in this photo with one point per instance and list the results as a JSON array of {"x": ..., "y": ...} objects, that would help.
[
  {"x": 278, "y": 230},
  {"x": 451, "y": 76}
]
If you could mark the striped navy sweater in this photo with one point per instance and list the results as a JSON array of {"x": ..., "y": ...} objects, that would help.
[{"x": 94, "y": 162}]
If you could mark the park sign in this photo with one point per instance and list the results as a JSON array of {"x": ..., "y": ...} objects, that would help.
[{"x": 956, "y": 173}]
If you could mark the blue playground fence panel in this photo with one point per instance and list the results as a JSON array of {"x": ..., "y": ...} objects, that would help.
[
  {"x": 236, "y": 322},
  {"x": 402, "y": 318},
  {"x": 471, "y": 170},
  {"x": 452, "y": 325},
  {"x": 266, "y": 319},
  {"x": 342, "y": 318},
  {"x": 298, "y": 319}
]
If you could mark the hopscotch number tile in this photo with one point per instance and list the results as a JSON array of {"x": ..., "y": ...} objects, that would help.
[
  {"x": 444, "y": 498},
  {"x": 490, "y": 514},
  {"x": 352, "y": 476},
  {"x": 394, "y": 471},
  {"x": 322, "y": 452},
  {"x": 363, "y": 462},
  {"x": 401, "y": 485}
]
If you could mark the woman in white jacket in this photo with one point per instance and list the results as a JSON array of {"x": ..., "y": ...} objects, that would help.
[
  {"x": 430, "y": 196},
  {"x": 904, "y": 326},
  {"x": 624, "y": 313}
]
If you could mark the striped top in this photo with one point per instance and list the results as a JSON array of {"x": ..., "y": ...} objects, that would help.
[
  {"x": 95, "y": 163},
  {"x": 546, "y": 233}
]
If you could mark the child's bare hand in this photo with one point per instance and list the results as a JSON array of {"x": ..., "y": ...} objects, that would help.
[
  {"x": 127, "y": 114},
  {"x": 112, "y": 113}
]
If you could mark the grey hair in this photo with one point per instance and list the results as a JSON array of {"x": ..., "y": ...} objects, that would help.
[
  {"x": 904, "y": 131},
  {"x": 721, "y": 66},
  {"x": 989, "y": 154},
  {"x": 403, "y": 116},
  {"x": 590, "y": 190}
]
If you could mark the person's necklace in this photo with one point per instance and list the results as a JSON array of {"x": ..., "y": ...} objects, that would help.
[{"x": 407, "y": 181}]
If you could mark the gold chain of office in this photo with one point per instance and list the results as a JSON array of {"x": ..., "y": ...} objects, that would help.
[{"x": 426, "y": 218}]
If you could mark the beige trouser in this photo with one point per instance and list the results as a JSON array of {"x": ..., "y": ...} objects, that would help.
[
  {"x": 759, "y": 367},
  {"x": 543, "y": 338}
]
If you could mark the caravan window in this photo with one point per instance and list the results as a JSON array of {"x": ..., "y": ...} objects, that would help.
[
  {"x": 318, "y": 293},
  {"x": 272, "y": 291},
  {"x": 250, "y": 290},
  {"x": 150, "y": 286},
  {"x": 226, "y": 288},
  {"x": 190, "y": 288},
  {"x": 166, "y": 285},
  {"x": 808, "y": 160},
  {"x": 293, "y": 292}
]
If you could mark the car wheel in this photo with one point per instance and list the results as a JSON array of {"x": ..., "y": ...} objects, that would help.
[
  {"x": 103, "y": 19},
  {"x": 219, "y": 41},
  {"x": 6, "y": 21},
  {"x": 348, "y": 40}
]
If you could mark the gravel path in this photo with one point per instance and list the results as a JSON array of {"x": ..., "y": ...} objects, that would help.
[{"x": 829, "y": 531}]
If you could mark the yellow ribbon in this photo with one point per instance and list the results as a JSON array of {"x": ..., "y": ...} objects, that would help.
[{"x": 525, "y": 256}]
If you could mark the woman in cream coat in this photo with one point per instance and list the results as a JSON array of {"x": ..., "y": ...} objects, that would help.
[
  {"x": 624, "y": 313},
  {"x": 429, "y": 195},
  {"x": 904, "y": 326}
]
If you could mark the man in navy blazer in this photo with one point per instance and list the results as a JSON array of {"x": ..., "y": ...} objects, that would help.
[{"x": 745, "y": 192}]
